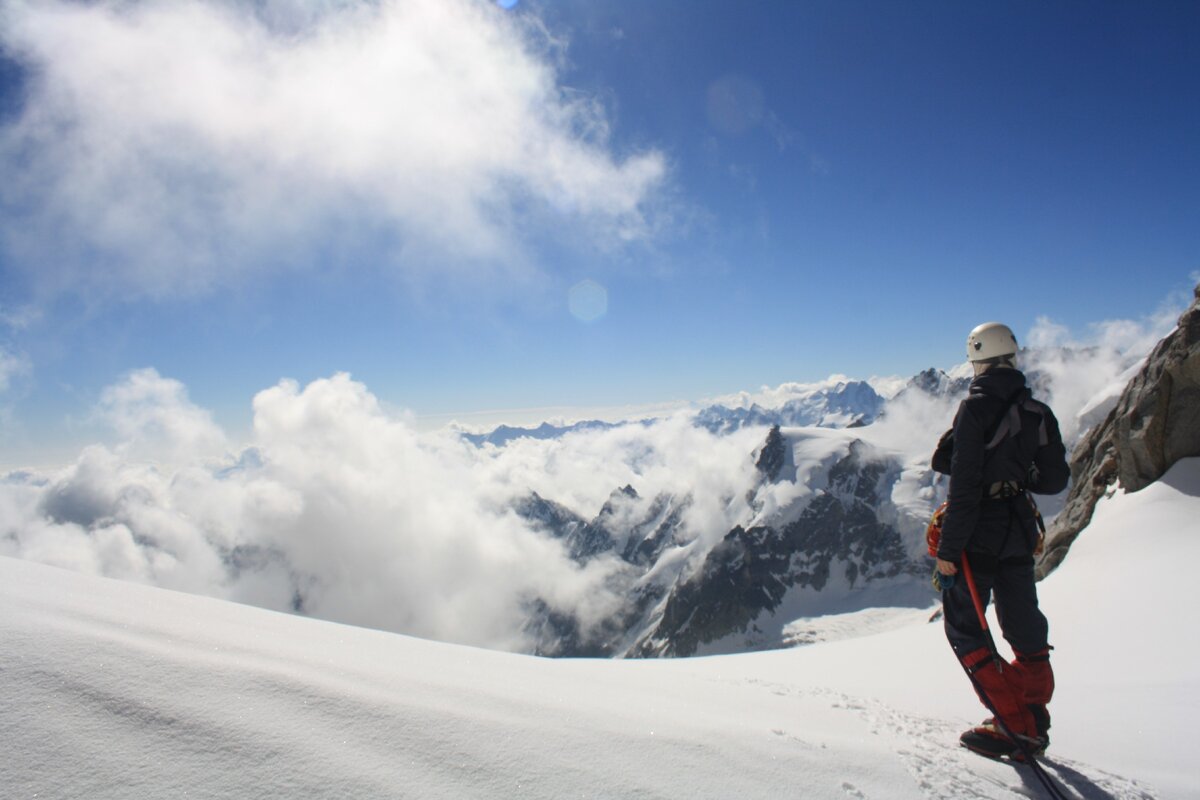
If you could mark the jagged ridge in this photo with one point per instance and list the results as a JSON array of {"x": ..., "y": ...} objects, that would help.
[{"x": 1155, "y": 423}]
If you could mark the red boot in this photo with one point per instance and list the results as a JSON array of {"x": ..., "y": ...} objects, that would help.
[
  {"x": 1001, "y": 687},
  {"x": 1039, "y": 688},
  {"x": 988, "y": 740}
]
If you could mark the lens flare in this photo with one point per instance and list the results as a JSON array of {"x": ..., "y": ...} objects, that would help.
[{"x": 587, "y": 301}]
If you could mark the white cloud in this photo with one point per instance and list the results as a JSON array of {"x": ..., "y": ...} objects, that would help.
[
  {"x": 775, "y": 396},
  {"x": 337, "y": 505},
  {"x": 154, "y": 418},
  {"x": 888, "y": 386},
  {"x": 912, "y": 424},
  {"x": 671, "y": 456},
  {"x": 166, "y": 148},
  {"x": 343, "y": 506},
  {"x": 1087, "y": 371},
  {"x": 1081, "y": 376}
]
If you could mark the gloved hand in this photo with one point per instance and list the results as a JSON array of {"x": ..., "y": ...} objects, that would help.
[{"x": 941, "y": 582}]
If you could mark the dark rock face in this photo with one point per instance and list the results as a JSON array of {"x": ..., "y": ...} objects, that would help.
[
  {"x": 772, "y": 456},
  {"x": 681, "y": 595},
  {"x": 559, "y": 635},
  {"x": 657, "y": 530},
  {"x": 742, "y": 576},
  {"x": 1155, "y": 423},
  {"x": 563, "y": 523},
  {"x": 637, "y": 539},
  {"x": 937, "y": 383},
  {"x": 751, "y": 570},
  {"x": 837, "y": 537}
]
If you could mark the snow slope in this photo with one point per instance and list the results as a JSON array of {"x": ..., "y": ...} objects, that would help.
[{"x": 115, "y": 690}]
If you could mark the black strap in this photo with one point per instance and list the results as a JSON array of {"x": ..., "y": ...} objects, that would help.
[{"x": 989, "y": 435}]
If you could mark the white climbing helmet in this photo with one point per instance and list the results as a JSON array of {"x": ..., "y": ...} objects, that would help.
[{"x": 991, "y": 340}]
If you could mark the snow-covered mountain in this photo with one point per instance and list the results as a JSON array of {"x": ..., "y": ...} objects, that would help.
[
  {"x": 835, "y": 548},
  {"x": 838, "y": 404},
  {"x": 658, "y": 537},
  {"x": 830, "y": 523},
  {"x": 937, "y": 383},
  {"x": 123, "y": 691},
  {"x": 835, "y": 403},
  {"x": 504, "y": 434},
  {"x": 827, "y": 522},
  {"x": 833, "y": 522}
]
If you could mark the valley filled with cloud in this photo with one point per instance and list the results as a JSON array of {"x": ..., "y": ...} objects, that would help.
[{"x": 339, "y": 508}]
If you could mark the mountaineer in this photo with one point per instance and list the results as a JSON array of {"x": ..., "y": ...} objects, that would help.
[{"x": 1003, "y": 445}]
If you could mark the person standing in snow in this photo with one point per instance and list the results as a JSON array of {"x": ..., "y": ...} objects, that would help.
[{"x": 1003, "y": 445}]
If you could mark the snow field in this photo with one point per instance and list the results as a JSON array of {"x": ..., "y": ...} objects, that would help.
[{"x": 116, "y": 690}]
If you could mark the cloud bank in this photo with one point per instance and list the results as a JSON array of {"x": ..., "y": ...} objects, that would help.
[
  {"x": 339, "y": 508},
  {"x": 170, "y": 148},
  {"x": 1086, "y": 372}
]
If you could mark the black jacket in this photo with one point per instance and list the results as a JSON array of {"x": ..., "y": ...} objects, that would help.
[{"x": 1033, "y": 457}]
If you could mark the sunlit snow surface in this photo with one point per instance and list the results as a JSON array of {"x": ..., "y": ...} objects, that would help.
[{"x": 114, "y": 690}]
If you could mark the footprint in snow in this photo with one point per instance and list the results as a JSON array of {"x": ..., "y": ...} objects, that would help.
[
  {"x": 930, "y": 752},
  {"x": 852, "y": 791}
]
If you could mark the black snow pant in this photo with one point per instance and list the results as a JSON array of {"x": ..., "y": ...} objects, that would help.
[
  {"x": 1017, "y": 691},
  {"x": 1011, "y": 582}
]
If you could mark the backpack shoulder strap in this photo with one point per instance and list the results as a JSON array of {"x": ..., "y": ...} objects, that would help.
[{"x": 1008, "y": 422}]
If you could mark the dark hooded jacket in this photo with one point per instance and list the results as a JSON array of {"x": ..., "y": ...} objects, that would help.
[{"x": 1027, "y": 450}]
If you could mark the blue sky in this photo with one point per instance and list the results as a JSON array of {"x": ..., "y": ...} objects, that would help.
[{"x": 235, "y": 193}]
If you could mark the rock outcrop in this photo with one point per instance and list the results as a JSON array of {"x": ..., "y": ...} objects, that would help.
[
  {"x": 839, "y": 538},
  {"x": 1155, "y": 423}
]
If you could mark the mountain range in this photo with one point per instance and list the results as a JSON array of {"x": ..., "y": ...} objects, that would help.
[
  {"x": 754, "y": 522},
  {"x": 119, "y": 690},
  {"x": 831, "y": 523},
  {"x": 834, "y": 518}
]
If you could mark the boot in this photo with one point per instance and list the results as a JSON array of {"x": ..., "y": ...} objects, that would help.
[
  {"x": 1001, "y": 687},
  {"x": 1039, "y": 688},
  {"x": 1041, "y": 722},
  {"x": 987, "y": 739}
]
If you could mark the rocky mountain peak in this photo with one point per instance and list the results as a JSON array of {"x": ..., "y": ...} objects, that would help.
[
  {"x": 1155, "y": 423},
  {"x": 773, "y": 455}
]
